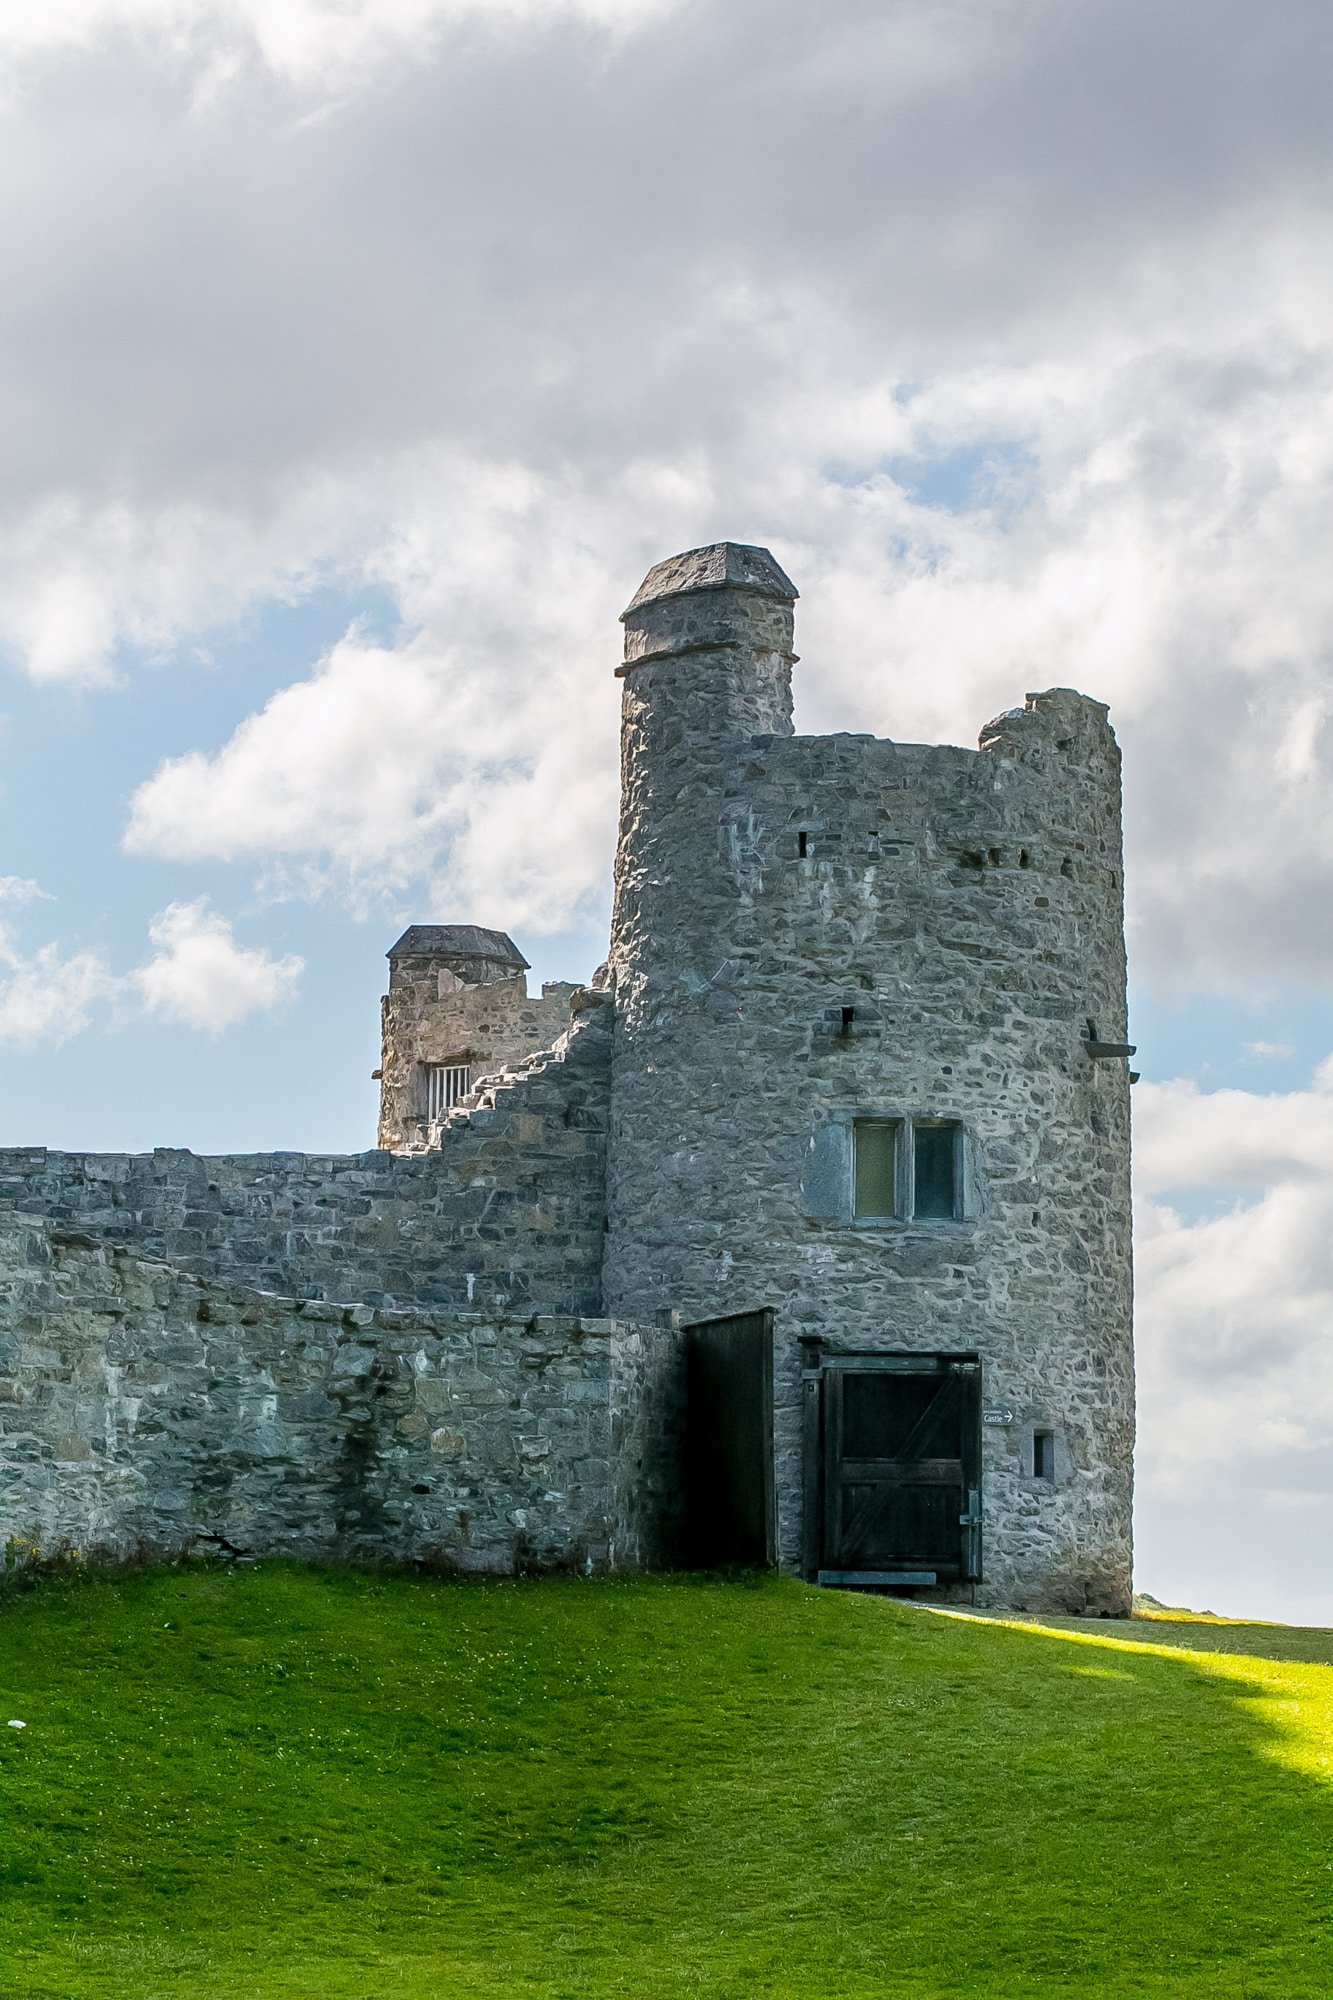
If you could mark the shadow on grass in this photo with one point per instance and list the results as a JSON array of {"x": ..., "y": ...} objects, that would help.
[{"x": 291, "y": 1781}]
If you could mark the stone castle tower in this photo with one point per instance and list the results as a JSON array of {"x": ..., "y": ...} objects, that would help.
[
  {"x": 869, "y": 1071},
  {"x": 801, "y": 1234}
]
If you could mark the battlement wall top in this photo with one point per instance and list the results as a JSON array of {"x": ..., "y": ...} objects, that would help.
[{"x": 506, "y": 1211}]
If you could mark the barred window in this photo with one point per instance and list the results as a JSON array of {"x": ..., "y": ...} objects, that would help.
[{"x": 447, "y": 1084}]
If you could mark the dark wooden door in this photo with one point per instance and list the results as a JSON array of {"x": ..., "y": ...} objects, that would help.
[
  {"x": 901, "y": 1469},
  {"x": 729, "y": 1516}
]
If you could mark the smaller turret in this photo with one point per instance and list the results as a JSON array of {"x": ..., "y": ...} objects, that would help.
[{"x": 457, "y": 1007}]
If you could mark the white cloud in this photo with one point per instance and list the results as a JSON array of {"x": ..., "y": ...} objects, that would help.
[
  {"x": 485, "y": 337},
  {"x": 197, "y": 975},
  {"x": 474, "y": 754},
  {"x": 200, "y": 976},
  {"x": 18, "y": 890},
  {"x": 339, "y": 763},
  {"x": 47, "y": 997},
  {"x": 310, "y": 42},
  {"x": 917, "y": 622},
  {"x": 1235, "y": 1350},
  {"x": 1188, "y": 1138},
  {"x": 1235, "y": 1311}
]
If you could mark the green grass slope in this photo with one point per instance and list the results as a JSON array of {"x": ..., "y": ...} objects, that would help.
[{"x": 291, "y": 1782}]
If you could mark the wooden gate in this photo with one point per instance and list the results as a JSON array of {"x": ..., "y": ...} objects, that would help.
[
  {"x": 729, "y": 1513},
  {"x": 893, "y": 1468}
]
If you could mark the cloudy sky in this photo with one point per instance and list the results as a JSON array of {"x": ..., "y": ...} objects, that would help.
[{"x": 358, "y": 356}]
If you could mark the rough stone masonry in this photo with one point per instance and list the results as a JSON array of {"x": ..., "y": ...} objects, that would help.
[{"x": 857, "y": 1060}]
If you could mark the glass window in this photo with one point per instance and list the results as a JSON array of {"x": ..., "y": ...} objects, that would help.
[
  {"x": 874, "y": 1145},
  {"x": 935, "y": 1171}
]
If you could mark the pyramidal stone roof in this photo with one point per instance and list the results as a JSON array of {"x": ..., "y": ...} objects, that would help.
[
  {"x": 458, "y": 941},
  {"x": 720, "y": 566}
]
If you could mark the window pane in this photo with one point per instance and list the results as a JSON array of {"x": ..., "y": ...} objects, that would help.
[
  {"x": 934, "y": 1147},
  {"x": 874, "y": 1145}
]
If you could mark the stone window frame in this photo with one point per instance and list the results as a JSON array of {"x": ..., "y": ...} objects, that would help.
[
  {"x": 466, "y": 1059},
  {"x": 1062, "y": 1461},
  {"x": 828, "y": 1181}
]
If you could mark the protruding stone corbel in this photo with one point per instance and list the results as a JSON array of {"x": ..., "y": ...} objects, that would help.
[
  {"x": 1104, "y": 1051},
  {"x": 1097, "y": 1050}
]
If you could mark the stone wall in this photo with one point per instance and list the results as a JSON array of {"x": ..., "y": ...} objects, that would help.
[
  {"x": 812, "y": 930},
  {"x": 506, "y": 1213},
  {"x": 146, "y": 1412},
  {"x": 647, "y": 1445}
]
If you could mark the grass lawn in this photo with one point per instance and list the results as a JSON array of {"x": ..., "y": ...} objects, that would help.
[{"x": 283, "y": 1781}]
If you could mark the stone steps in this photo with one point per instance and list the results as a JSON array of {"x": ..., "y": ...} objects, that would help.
[{"x": 538, "y": 1083}]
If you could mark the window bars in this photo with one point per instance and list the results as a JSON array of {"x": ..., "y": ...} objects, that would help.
[{"x": 447, "y": 1084}]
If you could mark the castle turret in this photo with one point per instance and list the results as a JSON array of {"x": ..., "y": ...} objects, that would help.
[
  {"x": 457, "y": 1007},
  {"x": 724, "y": 613},
  {"x": 707, "y": 669}
]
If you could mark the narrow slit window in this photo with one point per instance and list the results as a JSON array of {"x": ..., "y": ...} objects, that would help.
[
  {"x": 1043, "y": 1454},
  {"x": 802, "y": 845},
  {"x": 935, "y": 1171},
  {"x": 874, "y": 1146}
]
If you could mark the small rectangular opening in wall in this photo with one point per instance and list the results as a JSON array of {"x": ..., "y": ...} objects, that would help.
[
  {"x": 803, "y": 844},
  {"x": 874, "y": 1148},
  {"x": 935, "y": 1171},
  {"x": 447, "y": 1084},
  {"x": 1043, "y": 1454}
]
